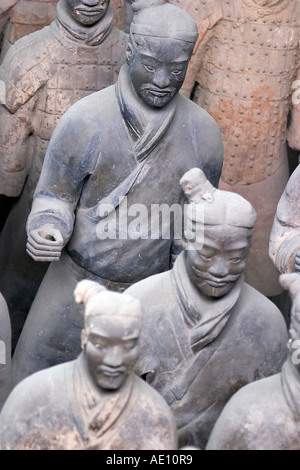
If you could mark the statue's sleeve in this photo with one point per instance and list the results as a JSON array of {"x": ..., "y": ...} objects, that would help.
[
  {"x": 25, "y": 69},
  {"x": 212, "y": 154},
  {"x": 71, "y": 157},
  {"x": 206, "y": 13},
  {"x": 15, "y": 130},
  {"x": 293, "y": 134},
  {"x": 285, "y": 233}
]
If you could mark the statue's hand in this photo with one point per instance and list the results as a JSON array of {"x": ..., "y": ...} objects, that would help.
[
  {"x": 45, "y": 244},
  {"x": 297, "y": 262}
]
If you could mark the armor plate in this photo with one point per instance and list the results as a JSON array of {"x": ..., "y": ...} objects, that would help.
[{"x": 245, "y": 83}]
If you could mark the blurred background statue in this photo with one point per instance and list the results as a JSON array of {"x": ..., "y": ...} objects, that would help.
[
  {"x": 28, "y": 16},
  {"x": 44, "y": 73}
]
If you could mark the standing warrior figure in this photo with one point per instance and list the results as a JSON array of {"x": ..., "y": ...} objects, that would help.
[
  {"x": 242, "y": 73},
  {"x": 115, "y": 153},
  {"x": 205, "y": 332},
  {"x": 32, "y": 15},
  {"x": 44, "y": 74}
]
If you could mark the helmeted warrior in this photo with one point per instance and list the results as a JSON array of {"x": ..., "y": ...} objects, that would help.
[
  {"x": 32, "y": 15},
  {"x": 44, "y": 74},
  {"x": 242, "y": 73}
]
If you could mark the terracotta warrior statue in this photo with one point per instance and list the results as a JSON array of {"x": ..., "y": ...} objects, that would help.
[
  {"x": 205, "y": 332},
  {"x": 95, "y": 402},
  {"x": 44, "y": 74},
  {"x": 265, "y": 415},
  {"x": 114, "y": 156},
  {"x": 32, "y": 15},
  {"x": 5, "y": 352},
  {"x": 242, "y": 72}
]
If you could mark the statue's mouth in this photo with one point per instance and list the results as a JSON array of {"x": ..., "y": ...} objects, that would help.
[
  {"x": 159, "y": 93},
  {"x": 90, "y": 11},
  {"x": 217, "y": 284}
]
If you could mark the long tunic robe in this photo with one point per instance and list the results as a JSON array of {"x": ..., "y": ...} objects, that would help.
[
  {"x": 44, "y": 74},
  {"x": 264, "y": 415},
  {"x": 93, "y": 159},
  {"x": 61, "y": 408},
  {"x": 198, "y": 351}
]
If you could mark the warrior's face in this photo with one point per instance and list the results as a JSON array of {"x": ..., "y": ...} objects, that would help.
[
  {"x": 87, "y": 12},
  {"x": 157, "y": 68},
  {"x": 112, "y": 349},
  {"x": 218, "y": 264}
]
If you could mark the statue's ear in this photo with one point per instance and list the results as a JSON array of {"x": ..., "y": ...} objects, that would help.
[
  {"x": 128, "y": 52},
  {"x": 84, "y": 337}
]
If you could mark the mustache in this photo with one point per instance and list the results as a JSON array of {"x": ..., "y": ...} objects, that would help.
[
  {"x": 152, "y": 88},
  {"x": 206, "y": 277},
  {"x": 96, "y": 9},
  {"x": 104, "y": 369}
]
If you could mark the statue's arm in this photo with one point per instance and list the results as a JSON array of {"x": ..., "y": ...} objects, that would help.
[
  {"x": 284, "y": 246},
  {"x": 67, "y": 163},
  {"x": 293, "y": 133},
  {"x": 212, "y": 157},
  {"x": 15, "y": 135},
  {"x": 25, "y": 69}
]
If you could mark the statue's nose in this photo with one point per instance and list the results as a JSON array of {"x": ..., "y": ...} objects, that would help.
[{"x": 92, "y": 3}]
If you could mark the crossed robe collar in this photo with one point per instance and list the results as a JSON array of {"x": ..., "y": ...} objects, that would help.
[
  {"x": 100, "y": 410},
  {"x": 148, "y": 124},
  {"x": 205, "y": 316},
  {"x": 90, "y": 35}
]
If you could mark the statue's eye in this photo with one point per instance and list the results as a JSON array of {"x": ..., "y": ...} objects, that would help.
[
  {"x": 235, "y": 260},
  {"x": 177, "y": 72},
  {"x": 131, "y": 344},
  {"x": 206, "y": 258},
  {"x": 149, "y": 68}
]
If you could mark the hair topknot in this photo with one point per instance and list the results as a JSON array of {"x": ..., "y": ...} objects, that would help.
[{"x": 138, "y": 5}]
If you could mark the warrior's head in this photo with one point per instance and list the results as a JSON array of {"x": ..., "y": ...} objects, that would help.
[
  {"x": 162, "y": 39},
  {"x": 217, "y": 234},
  {"x": 87, "y": 12},
  {"x": 110, "y": 335}
]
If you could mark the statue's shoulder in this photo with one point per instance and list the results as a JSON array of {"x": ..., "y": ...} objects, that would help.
[
  {"x": 263, "y": 312},
  {"x": 27, "y": 66},
  {"x": 121, "y": 37},
  {"x": 154, "y": 401},
  {"x": 200, "y": 117}
]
